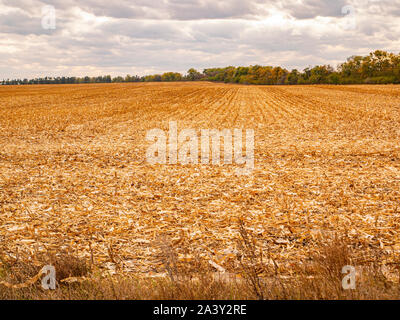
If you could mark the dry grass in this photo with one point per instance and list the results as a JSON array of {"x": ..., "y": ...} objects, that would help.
[
  {"x": 320, "y": 278},
  {"x": 73, "y": 180}
]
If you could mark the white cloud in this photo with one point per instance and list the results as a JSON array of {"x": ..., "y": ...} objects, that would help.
[{"x": 147, "y": 36}]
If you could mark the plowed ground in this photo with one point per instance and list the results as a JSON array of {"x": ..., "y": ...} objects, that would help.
[{"x": 73, "y": 174}]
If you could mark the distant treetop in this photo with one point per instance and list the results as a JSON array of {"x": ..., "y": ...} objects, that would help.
[{"x": 379, "y": 67}]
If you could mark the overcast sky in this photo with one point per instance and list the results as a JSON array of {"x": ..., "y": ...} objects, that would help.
[{"x": 95, "y": 37}]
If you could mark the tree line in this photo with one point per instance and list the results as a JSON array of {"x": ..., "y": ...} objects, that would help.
[{"x": 379, "y": 67}]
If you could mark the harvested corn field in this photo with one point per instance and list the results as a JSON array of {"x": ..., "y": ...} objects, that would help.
[{"x": 74, "y": 176}]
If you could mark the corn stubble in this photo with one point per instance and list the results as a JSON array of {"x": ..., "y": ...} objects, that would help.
[{"x": 76, "y": 192}]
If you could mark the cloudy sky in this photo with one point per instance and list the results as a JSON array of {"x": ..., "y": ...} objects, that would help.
[{"x": 94, "y": 37}]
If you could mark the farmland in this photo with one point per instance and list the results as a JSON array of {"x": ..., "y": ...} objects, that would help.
[{"x": 74, "y": 178}]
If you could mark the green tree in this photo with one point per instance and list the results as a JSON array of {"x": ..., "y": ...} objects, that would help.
[{"x": 193, "y": 75}]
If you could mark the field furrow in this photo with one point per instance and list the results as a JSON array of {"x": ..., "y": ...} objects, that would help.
[{"x": 73, "y": 172}]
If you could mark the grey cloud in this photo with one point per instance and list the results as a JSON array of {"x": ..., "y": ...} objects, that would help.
[
  {"x": 145, "y": 30},
  {"x": 21, "y": 23},
  {"x": 152, "y": 9},
  {"x": 308, "y": 9},
  {"x": 141, "y": 35},
  {"x": 196, "y": 9}
]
